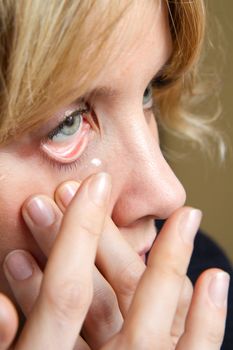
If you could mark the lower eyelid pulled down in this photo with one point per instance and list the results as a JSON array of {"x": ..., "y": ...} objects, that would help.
[{"x": 68, "y": 151}]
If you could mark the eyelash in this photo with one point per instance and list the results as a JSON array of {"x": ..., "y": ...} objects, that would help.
[
  {"x": 159, "y": 82},
  {"x": 61, "y": 166}
]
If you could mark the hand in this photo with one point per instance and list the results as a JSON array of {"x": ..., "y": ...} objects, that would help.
[
  {"x": 131, "y": 331},
  {"x": 66, "y": 289},
  {"x": 104, "y": 317}
]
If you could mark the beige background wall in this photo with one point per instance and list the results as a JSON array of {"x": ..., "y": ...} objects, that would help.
[{"x": 210, "y": 187}]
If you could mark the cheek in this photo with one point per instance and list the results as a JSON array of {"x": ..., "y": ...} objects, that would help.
[{"x": 18, "y": 181}]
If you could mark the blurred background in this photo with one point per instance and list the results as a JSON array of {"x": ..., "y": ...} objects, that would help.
[{"x": 209, "y": 185}]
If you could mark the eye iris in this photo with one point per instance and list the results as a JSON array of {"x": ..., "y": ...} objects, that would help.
[
  {"x": 71, "y": 124},
  {"x": 69, "y": 121}
]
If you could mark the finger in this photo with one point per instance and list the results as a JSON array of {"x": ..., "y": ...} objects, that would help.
[
  {"x": 43, "y": 216},
  {"x": 97, "y": 329},
  {"x": 104, "y": 318},
  {"x": 178, "y": 325},
  {"x": 155, "y": 302},
  {"x": 66, "y": 290},
  {"x": 24, "y": 277},
  {"x": 65, "y": 193},
  {"x": 206, "y": 318},
  {"x": 43, "y": 219},
  {"x": 8, "y": 322},
  {"x": 124, "y": 275}
]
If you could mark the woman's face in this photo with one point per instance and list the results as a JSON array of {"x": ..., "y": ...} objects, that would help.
[{"x": 125, "y": 143}]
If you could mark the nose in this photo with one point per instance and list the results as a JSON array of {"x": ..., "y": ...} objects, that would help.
[{"x": 149, "y": 187}]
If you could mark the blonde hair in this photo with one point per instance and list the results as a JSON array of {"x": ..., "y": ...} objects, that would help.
[
  {"x": 186, "y": 89},
  {"x": 45, "y": 44}
]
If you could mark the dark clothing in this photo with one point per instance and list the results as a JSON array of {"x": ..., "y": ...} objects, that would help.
[{"x": 208, "y": 254}]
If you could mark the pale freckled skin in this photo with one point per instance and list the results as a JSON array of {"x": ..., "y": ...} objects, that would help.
[{"x": 144, "y": 187}]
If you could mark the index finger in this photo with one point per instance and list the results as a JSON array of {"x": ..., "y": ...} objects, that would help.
[
  {"x": 66, "y": 291},
  {"x": 154, "y": 305}
]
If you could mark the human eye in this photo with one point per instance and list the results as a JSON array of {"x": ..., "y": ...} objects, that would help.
[
  {"x": 148, "y": 100},
  {"x": 159, "y": 82},
  {"x": 67, "y": 141}
]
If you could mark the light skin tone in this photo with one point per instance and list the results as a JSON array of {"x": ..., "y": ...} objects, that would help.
[{"x": 110, "y": 221}]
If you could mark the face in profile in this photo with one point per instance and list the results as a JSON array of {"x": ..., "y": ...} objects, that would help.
[{"x": 115, "y": 131}]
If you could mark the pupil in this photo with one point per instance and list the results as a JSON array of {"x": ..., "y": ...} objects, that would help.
[{"x": 69, "y": 121}]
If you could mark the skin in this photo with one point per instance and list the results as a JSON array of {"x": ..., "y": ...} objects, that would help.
[{"x": 143, "y": 188}]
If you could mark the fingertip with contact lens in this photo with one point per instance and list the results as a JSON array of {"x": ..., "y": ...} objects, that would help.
[{"x": 99, "y": 188}]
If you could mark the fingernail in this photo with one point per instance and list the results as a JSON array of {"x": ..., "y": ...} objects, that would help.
[
  {"x": 99, "y": 188},
  {"x": 67, "y": 192},
  {"x": 218, "y": 289},
  {"x": 189, "y": 224},
  {"x": 18, "y": 265},
  {"x": 41, "y": 212}
]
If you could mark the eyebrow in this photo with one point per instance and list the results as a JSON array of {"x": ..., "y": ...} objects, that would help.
[{"x": 108, "y": 91}]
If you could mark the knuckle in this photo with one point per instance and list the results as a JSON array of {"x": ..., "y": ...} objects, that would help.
[
  {"x": 176, "y": 271},
  {"x": 68, "y": 300},
  {"x": 88, "y": 227},
  {"x": 172, "y": 269},
  {"x": 175, "y": 265}
]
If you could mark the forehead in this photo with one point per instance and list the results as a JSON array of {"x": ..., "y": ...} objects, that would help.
[{"x": 141, "y": 44}]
